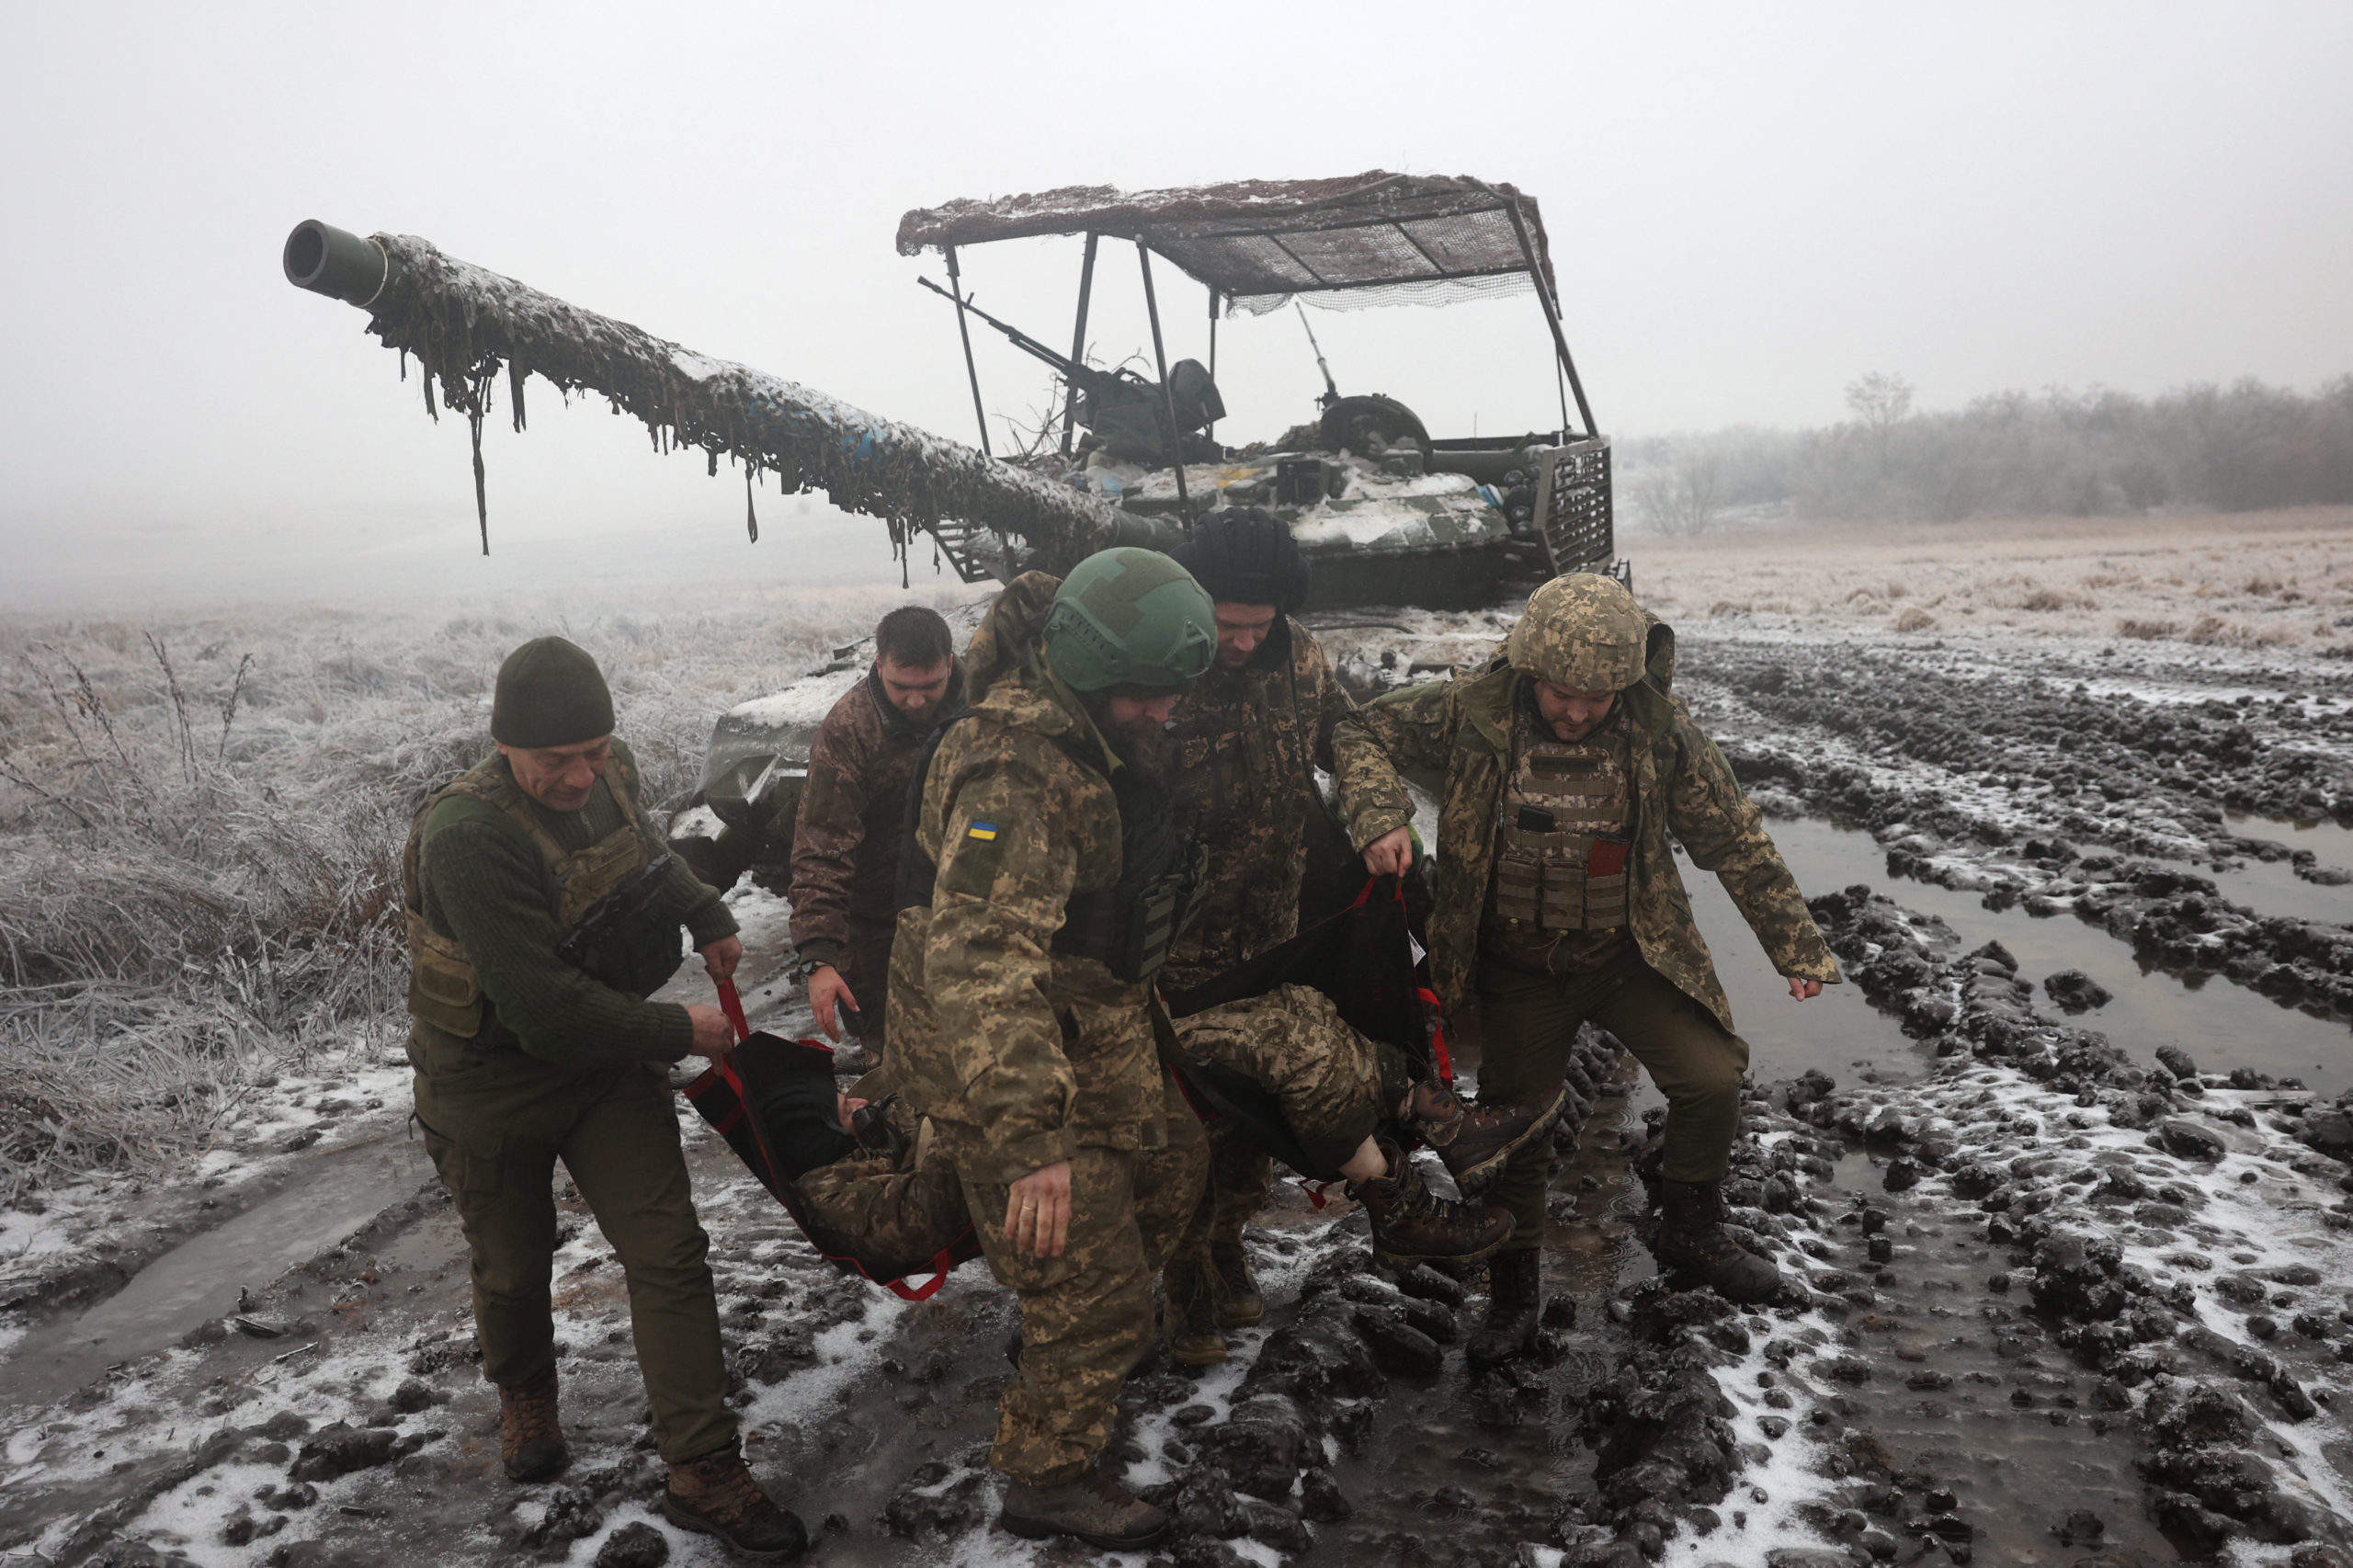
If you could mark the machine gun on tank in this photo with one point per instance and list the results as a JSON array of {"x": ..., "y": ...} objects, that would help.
[{"x": 1127, "y": 415}]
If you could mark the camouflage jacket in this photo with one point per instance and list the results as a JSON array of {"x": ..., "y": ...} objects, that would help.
[
  {"x": 1249, "y": 739},
  {"x": 1461, "y": 729},
  {"x": 846, "y": 840},
  {"x": 1019, "y": 1055}
]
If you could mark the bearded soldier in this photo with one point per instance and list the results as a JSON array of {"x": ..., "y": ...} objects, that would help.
[
  {"x": 1252, "y": 732},
  {"x": 845, "y": 842},
  {"x": 1567, "y": 764},
  {"x": 1040, "y": 884},
  {"x": 542, "y": 911}
]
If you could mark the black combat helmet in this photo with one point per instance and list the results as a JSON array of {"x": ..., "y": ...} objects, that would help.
[{"x": 1244, "y": 556}]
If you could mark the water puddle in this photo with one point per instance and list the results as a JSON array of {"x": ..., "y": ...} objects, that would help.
[
  {"x": 2272, "y": 887},
  {"x": 330, "y": 1196},
  {"x": 2331, "y": 843},
  {"x": 2222, "y": 1025},
  {"x": 1838, "y": 1031}
]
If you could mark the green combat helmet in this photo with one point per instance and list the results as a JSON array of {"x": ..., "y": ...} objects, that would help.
[
  {"x": 1583, "y": 631},
  {"x": 1129, "y": 617}
]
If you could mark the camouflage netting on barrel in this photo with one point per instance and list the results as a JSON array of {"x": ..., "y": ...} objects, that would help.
[{"x": 466, "y": 324}]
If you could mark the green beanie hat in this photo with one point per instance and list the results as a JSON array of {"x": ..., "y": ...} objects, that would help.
[
  {"x": 550, "y": 693},
  {"x": 1129, "y": 617}
]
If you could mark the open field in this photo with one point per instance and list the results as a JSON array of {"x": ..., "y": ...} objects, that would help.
[{"x": 2245, "y": 580}]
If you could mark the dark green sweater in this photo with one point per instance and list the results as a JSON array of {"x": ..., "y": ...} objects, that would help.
[{"x": 486, "y": 885}]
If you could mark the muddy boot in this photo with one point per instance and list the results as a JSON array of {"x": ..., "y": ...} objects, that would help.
[
  {"x": 1693, "y": 1247},
  {"x": 1491, "y": 1134},
  {"x": 1433, "y": 1112},
  {"x": 530, "y": 1444},
  {"x": 716, "y": 1496},
  {"x": 1235, "y": 1294},
  {"x": 1193, "y": 1338},
  {"x": 1515, "y": 1300},
  {"x": 1409, "y": 1223},
  {"x": 1094, "y": 1508}
]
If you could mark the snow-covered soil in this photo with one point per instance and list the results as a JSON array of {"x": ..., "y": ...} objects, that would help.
[{"x": 2056, "y": 1296}]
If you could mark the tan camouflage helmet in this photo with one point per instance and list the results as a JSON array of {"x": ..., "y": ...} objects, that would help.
[{"x": 1583, "y": 631}]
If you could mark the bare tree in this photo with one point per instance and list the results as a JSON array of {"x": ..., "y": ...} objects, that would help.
[
  {"x": 1681, "y": 499},
  {"x": 1880, "y": 401}
]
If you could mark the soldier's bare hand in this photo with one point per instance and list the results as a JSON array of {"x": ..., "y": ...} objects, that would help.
[
  {"x": 1390, "y": 855},
  {"x": 845, "y": 1107},
  {"x": 827, "y": 990},
  {"x": 1037, "y": 1211},
  {"x": 714, "y": 1036},
  {"x": 721, "y": 958},
  {"x": 1804, "y": 990}
]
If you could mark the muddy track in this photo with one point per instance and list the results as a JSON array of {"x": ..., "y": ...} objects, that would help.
[{"x": 2042, "y": 792}]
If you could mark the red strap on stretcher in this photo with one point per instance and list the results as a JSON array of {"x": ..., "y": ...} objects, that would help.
[
  {"x": 942, "y": 1262},
  {"x": 1437, "y": 1034},
  {"x": 1428, "y": 998},
  {"x": 732, "y": 1005}
]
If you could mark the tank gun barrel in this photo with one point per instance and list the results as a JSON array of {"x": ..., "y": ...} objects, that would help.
[{"x": 466, "y": 324}]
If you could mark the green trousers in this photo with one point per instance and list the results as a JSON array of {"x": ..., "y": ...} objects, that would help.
[
  {"x": 1086, "y": 1316},
  {"x": 1530, "y": 1020},
  {"x": 495, "y": 1123}
]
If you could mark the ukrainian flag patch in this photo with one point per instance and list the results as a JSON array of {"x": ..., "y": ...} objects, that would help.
[{"x": 984, "y": 831}]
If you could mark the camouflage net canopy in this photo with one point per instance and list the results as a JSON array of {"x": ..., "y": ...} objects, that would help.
[
  {"x": 466, "y": 324},
  {"x": 1369, "y": 239}
]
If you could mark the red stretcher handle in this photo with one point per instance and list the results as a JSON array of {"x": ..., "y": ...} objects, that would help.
[{"x": 731, "y": 1003}]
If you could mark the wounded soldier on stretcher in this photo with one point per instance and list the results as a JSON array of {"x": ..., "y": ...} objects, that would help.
[{"x": 1290, "y": 1073}]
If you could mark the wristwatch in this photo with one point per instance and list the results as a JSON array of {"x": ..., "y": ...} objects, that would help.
[{"x": 807, "y": 968}]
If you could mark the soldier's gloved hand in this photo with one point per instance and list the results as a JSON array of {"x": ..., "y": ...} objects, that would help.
[
  {"x": 1802, "y": 989},
  {"x": 1390, "y": 855},
  {"x": 1037, "y": 1211},
  {"x": 827, "y": 990},
  {"x": 722, "y": 957},
  {"x": 714, "y": 1036}
]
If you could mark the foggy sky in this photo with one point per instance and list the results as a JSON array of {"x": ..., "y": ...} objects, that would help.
[{"x": 1749, "y": 206}]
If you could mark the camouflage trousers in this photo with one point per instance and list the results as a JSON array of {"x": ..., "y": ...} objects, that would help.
[
  {"x": 1086, "y": 1316},
  {"x": 1335, "y": 1087},
  {"x": 1529, "y": 1021}
]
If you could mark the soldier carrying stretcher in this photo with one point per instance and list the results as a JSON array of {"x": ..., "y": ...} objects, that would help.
[{"x": 1567, "y": 764}]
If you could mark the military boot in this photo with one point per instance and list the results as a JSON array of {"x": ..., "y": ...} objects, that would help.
[
  {"x": 1491, "y": 1134},
  {"x": 1411, "y": 1224},
  {"x": 1235, "y": 1294},
  {"x": 716, "y": 1496},
  {"x": 1515, "y": 1301},
  {"x": 530, "y": 1443},
  {"x": 1432, "y": 1111},
  {"x": 1693, "y": 1247},
  {"x": 1191, "y": 1310},
  {"x": 1093, "y": 1508}
]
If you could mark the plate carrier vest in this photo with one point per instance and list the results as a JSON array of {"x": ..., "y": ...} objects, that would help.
[
  {"x": 443, "y": 989},
  {"x": 1571, "y": 877}
]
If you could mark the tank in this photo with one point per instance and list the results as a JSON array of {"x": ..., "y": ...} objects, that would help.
[{"x": 1385, "y": 513}]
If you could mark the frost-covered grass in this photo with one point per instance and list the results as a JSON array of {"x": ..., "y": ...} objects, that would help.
[
  {"x": 2273, "y": 580},
  {"x": 202, "y": 816}
]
